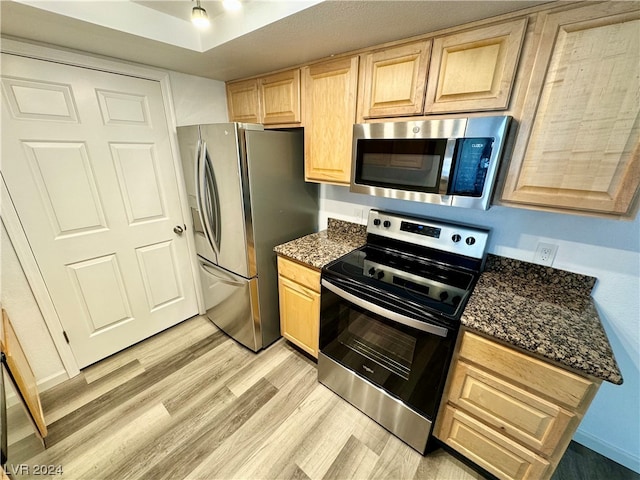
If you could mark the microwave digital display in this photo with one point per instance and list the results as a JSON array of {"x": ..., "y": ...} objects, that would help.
[
  {"x": 412, "y": 164},
  {"x": 470, "y": 166}
]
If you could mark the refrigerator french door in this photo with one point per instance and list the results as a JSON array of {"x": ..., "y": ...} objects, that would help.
[{"x": 246, "y": 194}]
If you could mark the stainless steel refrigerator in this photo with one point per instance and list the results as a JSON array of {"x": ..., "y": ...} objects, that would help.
[{"x": 247, "y": 194}]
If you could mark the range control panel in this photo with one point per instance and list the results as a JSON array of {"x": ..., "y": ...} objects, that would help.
[{"x": 470, "y": 241}]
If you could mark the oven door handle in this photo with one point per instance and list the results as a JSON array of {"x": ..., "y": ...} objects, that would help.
[{"x": 391, "y": 315}]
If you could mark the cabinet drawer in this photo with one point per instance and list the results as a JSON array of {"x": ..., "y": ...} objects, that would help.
[
  {"x": 496, "y": 453},
  {"x": 532, "y": 421},
  {"x": 533, "y": 374},
  {"x": 305, "y": 276}
]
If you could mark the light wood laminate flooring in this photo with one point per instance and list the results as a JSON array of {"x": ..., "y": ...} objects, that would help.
[{"x": 190, "y": 403}]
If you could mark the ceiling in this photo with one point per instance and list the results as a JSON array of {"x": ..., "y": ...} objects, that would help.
[{"x": 265, "y": 35}]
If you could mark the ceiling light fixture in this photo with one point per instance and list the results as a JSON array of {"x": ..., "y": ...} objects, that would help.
[
  {"x": 199, "y": 16},
  {"x": 232, "y": 5}
]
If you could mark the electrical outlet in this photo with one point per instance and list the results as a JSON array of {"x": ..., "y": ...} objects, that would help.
[{"x": 545, "y": 253}]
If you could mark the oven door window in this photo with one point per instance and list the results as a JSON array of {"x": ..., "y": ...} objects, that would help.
[
  {"x": 409, "y": 364},
  {"x": 414, "y": 164}
]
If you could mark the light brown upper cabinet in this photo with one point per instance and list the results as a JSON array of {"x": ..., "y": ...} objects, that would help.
[
  {"x": 393, "y": 80},
  {"x": 475, "y": 69},
  {"x": 270, "y": 100},
  {"x": 578, "y": 142},
  {"x": 242, "y": 101},
  {"x": 330, "y": 90},
  {"x": 280, "y": 98}
]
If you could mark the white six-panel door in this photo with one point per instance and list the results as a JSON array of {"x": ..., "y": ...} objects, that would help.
[{"x": 88, "y": 163}]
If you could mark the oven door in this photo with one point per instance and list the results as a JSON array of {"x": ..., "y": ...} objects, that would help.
[{"x": 406, "y": 356}]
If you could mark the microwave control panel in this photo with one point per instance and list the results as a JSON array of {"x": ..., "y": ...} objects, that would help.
[{"x": 470, "y": 166}]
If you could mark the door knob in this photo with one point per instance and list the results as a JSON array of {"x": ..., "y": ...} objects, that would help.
[{"x": 178, "y": 230}]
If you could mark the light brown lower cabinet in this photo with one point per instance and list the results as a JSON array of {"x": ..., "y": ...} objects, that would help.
[
  {"x": 510, "y": 413},
  {"x": 299, "y": 294}
]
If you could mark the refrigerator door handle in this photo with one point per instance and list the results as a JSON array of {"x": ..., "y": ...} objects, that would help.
[
  {"x": 198, "y": 175},
  {"x": 204, "y": 195},
  {"x": 215, "y": 274},
  {"x": 213, "y": 200}
]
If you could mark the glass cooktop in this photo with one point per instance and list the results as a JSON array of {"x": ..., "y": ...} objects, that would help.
[{"x": 429, "y": 284}]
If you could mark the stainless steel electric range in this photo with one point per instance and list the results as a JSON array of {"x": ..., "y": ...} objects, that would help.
[{"x": 390, "y": 313}]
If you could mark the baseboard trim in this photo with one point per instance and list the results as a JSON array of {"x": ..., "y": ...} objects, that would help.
[
  {"x": 610, "y": 451},
  {"x": 43, "y": 384},
  {"x": 52, "y": 380}
]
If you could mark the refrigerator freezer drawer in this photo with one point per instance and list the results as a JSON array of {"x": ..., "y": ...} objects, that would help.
[{"x": 232, "y": 304}]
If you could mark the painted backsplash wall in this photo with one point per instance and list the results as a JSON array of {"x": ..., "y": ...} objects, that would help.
[{"x": 606, "y": 249}]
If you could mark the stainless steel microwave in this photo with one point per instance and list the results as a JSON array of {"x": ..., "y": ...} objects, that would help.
[{"x": 445, "y": 161}]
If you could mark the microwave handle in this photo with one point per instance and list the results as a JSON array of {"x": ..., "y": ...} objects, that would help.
[
  {"x": 447, "y": 162},
  {"x": 394, "y": 316}
]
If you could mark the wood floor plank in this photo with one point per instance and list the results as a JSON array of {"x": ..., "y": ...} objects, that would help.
[
  {"x": 90, "y": 411},
  {"x": 397, "y": 461},
  {"x": 257, "y": 368},
  {"x": 206, "y": 375},
  {"x": 121, "y": 411},
  {"x": 354, "y": 461},
  {"x": 174, "y": 341},
  {"x": 138, "y": 461},
  {"x": 154, "y": 349},
  {"x": 371, "y": 433},
  {"x": 328, "y": 438},
  {"x": 188, "y": 455},
  {"x": 107, "y": 450},
  {"x": 439, "y": 465},
  {"x": 292, "y": 472},
  {"x": 237, "y": 450},
  {"x": 278, "y": 450},
  {"x": 58, "y": 406}
]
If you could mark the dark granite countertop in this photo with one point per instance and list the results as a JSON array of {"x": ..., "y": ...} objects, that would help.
[
  {"x": 545, "y": 311},
  {"x": 318, "y": 249}
]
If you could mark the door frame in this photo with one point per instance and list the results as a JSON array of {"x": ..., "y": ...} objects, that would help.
[{"x": 10, "y": 216}]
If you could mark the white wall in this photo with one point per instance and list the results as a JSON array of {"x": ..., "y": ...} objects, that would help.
[
  {"x": 27, "y": 321},
  {"x": 198, "y": 100},
  {"x": 606, "y": 249}
]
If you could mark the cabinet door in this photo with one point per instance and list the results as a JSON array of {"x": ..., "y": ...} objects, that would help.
[
  {"x": 299, "y": 315},
  {"x": 280, "y": 98},
  {"x": 578, "y": 146},
  {"x": 242, "y": 101},
  {"x": 329, "y": 113},
  {"x": 474, "y": 70},
  {"x": 395, "y": 79}
]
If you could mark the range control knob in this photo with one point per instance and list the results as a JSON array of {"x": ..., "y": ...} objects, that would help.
[
  {"x": 380, "y": 274},
  {"x": 444, "y": 296},
  {"x": 386, "y": 224},
  {"x": 470, "y": 241},
  {"x": 456, "y": 238},
  {"x": 376, "y": 222},
  {"x": 372, "y": 271}
]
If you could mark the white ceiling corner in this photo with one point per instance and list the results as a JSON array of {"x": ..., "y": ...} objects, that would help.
[{"x": 265, "y": 35}]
